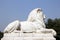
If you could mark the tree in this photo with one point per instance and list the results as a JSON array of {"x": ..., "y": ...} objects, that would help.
[
  {"x": 49, "y": 23},
  {"x": 54, "y": 24},
  {"x": 1, "y": 35}
]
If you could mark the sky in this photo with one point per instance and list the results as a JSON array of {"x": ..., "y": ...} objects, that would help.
[{"x": 11, "y": 10}]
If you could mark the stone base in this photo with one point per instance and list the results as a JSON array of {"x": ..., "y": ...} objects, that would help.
[{"x": 27, "y": 36}]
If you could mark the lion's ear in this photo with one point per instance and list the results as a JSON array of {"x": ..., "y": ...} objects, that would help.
[{"x": 39, "y": 10}]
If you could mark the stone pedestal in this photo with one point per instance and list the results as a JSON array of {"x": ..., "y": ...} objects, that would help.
[{"x": 28, "y": 36}]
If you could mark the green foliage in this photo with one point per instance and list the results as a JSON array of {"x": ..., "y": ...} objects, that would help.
[
  {"x": 54, "y": 24},
  {"x": 1, "y": 35}
]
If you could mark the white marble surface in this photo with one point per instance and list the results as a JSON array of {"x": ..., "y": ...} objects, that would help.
[{"x": 27, "y": 36}]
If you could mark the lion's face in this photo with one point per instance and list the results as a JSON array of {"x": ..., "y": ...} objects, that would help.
[{"x": 39, "y": 12}]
